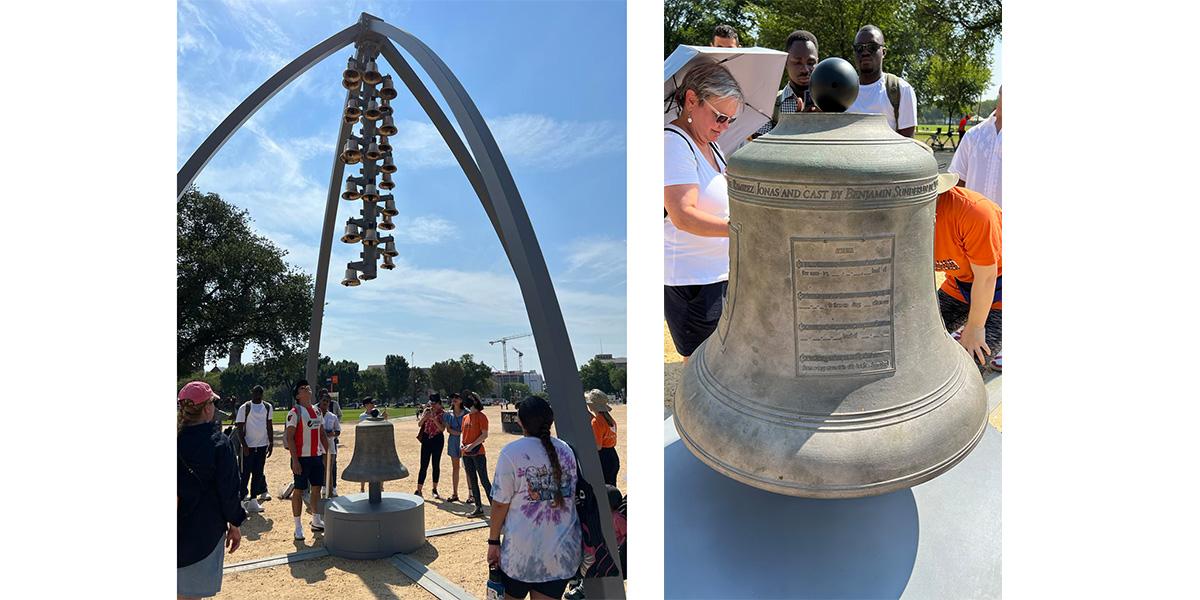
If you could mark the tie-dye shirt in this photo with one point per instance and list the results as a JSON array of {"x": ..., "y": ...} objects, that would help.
[{"x": 541, "y": 542}]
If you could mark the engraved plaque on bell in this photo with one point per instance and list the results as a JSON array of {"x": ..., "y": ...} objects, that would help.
[{"x": 830, "y": 374}]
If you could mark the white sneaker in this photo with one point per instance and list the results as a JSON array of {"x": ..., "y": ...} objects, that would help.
[
  {"x": 252, "y": 505},
  {"x": 299, "y": 532},
  {"x": 263, "y": 497},
  {"x": 317, "y": 522}
]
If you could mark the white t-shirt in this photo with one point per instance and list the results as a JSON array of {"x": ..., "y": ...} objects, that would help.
[
  {"x": 692, "y": 259},
  {"x": 541, "y": 542},
  {"x": 873, "y": 99},
  {"x": 333, "y": 426},
  {"x": 978, "y": 160},
  {"x": 256, "y": 426}
]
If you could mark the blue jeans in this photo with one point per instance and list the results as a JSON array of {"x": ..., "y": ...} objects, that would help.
[{"x": 476, "y": 473}]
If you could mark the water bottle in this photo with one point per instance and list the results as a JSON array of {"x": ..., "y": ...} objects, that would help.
[{"x": 495, "y": 585}]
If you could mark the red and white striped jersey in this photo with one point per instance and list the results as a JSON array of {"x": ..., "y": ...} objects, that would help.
[{"x": 308, "y": 423}]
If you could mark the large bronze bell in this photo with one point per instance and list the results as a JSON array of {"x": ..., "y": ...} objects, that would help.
[
  {"x": 374, "y": 460},
  {"x": 830, "y": 373}
]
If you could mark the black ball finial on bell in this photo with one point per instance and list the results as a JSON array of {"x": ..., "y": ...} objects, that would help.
[{"x": 834, "y": 85}]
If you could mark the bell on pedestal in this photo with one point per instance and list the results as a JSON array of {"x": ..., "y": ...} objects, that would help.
[
  {"x": 371, "y": 75},
  {"x": 388, "y": 166},
  {"x": 389, "y": 249},
  {"x": 385, "y": 107},
  {"x": 370, "y": 239},
  {"x": 352, "y": 73},
  {"x": 388, "y": 127},
  {"x": 830, "y": 373},
  {"x": 372, "y": 113},
  {"x": 369, "y": 194},
  {"x": 384, "y": 145},
  {"x": 387, "y": 262},
  {"x": 351, "y": 278},
  {"x": 386, "y": 224},
  {"x": 350, "y": 153},
  {"x": 351, "y": 192},
  {"x": 389, "y": 206},
  {"x": 385, "y": 182},
  {"x": 373, "y": 152},
  {"x": 387, "y": 91},
  {"x": 353, "y": 110}
]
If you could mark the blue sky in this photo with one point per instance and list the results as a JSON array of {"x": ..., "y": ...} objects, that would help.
[{"x": 558, "y": 116}]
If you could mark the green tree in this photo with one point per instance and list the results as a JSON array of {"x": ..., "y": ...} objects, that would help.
[
  {"x": 477, "y": 376},
  {"x": 691, "y": 22},
  {"x": 233, "y": 286},
  {"x": 238, "y": 380},
  {"x": 956, "y": 83},
  {"x": 595, "y": 375},
  {"x": 347, "y": 374},
  {"x": 514, "y": 391},
  {"x": 418, "y": 382},
  {"x": 372, "y": 382},
  {"x": 616, "y": 377},
  {"x": 396, "y": 368},
  {"x": 446, "y": 376}
]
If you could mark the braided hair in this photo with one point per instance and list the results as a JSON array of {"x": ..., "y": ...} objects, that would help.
[
  {"x": 189, "y": 413},
  {"x": 537, "y": 417}
]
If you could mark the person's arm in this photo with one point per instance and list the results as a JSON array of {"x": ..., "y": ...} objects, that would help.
[
  {"x": 906, "y": 121},
  {"x": 982, "y": 290},
  {"x": 960, "y": 163},
  {"x": 239, "y": 422},
  {"x": 680, "y": 202},
  {"x": 289, "y": 435},
  {"x": 270, "y": 429},
  {"x": 499, "y": 512}
]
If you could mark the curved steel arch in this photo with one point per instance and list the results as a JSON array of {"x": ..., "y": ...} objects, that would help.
[{"x": 486, "y": 170}]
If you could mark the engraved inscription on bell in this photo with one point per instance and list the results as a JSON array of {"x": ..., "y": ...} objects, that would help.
[{"x": 843, "y": 290}]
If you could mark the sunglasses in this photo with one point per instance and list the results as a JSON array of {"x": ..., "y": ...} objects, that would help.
[
  {"x": 871, "y": 48},
  {"x": 722, "y": 118}
]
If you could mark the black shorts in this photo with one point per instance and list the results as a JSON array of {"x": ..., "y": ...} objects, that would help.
[
  {"x": 692, "y": 312},
  {"x": 312, "y": 472},
  {"x": 521, "y": 589}
]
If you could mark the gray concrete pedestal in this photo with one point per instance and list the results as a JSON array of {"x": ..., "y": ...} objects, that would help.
[
  {"x": 940, "y": 539},
  {"x": 355, "y": 528}
]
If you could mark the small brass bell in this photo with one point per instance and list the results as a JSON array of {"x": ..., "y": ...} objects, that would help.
[
  {"x": 373, "y": 152},
  {"x": 386, "y": 181},
  {"x": 372, "y": 113},
  {"x": 371, "y": 239},
  {"x": 371, "y": 74},
  {"x": 389, "y": 205},
  {"x": 352, "y": 236},
  {"x": 388, "y": 127},
  {"x": 352, "y": 109},
  {"x": 387, "y": 224},
  {"x": 369, "y": 194},
  {"x": 351, "y": 192},
  {"x": 385, "y": 107},
  {"x": 389, "y": 250},
  {"x": 384, "y": 145},
  {"x": 388, "y": 166},
  {"x": 388, "y": 91},
  {"x": 351, "y": 278},
  {"x": 387, "y": 262},
  {"x": 352, "y": 74},
  {"x": 351, "y": 155}
]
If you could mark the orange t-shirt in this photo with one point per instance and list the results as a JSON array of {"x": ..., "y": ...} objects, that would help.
[
  {"x": 474, "y": 424},
  {"x": 606, "y": 437},
  {"x": 966, "y": 232}
]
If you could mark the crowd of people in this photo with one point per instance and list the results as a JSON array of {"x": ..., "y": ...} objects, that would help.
[
  {"x": 537, "y": 543},
  {"x": 967, "y": 236}
]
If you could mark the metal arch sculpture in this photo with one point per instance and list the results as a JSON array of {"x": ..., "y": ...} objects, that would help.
[{"x": 487, "y": 172}]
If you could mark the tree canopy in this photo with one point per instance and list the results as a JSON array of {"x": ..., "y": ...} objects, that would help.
[
  {"x": 396, "y": 368},
  {"x": 603, "y": 376},
  {"x": 233, "y": 286}
]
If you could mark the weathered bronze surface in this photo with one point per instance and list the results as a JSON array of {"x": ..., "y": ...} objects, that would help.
[
  {"x": 830, "y": 374},
  {"x": 374, "y": 458}
]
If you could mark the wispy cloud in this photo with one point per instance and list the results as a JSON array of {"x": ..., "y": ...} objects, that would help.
[
  {"x": 537, "y": 141},
  {"x": 598, "y": 258}
]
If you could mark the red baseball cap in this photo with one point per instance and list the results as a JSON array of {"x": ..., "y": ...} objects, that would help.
[{"x": 197, "y": 392}]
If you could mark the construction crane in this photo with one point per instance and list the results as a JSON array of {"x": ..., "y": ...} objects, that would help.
[
  {"x": 520, "y": 355},
  {"x": 504, "y": 345}
]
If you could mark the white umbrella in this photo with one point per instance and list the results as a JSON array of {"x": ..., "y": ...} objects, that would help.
[{"x": 757, "y": 70}]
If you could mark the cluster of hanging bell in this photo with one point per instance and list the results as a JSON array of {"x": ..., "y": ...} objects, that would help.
[{"x": 367, "y": 106}]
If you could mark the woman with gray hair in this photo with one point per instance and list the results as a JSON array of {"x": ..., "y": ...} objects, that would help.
[{"x": 696, "y": 203}]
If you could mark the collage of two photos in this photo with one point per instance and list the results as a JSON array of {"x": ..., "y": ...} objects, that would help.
[{"x": 402, "y": 301}]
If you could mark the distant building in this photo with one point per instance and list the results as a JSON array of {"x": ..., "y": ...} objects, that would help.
[
  {"x": 533, "y": 379},
  {"x": 609, "y": 359},
  {"x": 377, "y": 368}
]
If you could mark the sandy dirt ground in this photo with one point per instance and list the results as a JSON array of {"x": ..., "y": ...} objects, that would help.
[{"x": 459, "y": 557}]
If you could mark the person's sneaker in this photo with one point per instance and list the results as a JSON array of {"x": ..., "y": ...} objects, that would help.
[
  {"x": 333, "y": 493},
  {"x": 318, "y": 523},
  {"x": 478, "y": 513},
  {"x": 996, "y": 363},
  {"x": 263, "y": 497},
  {"x": 436, "y": 495},
  {"x": 252, "y": 505},
  {"x": 299, "y": 532}
]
